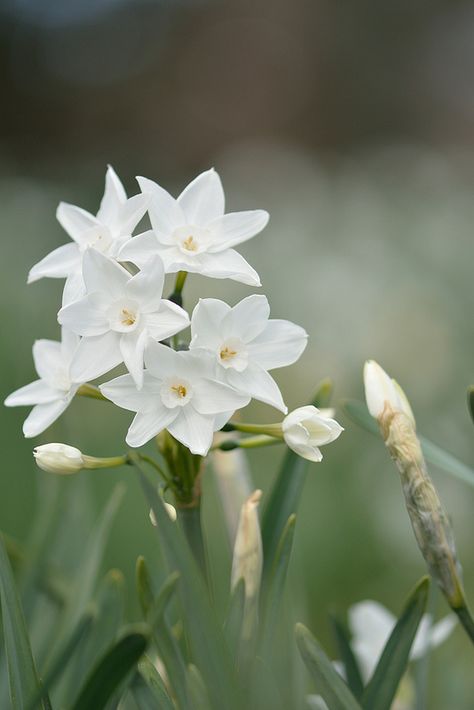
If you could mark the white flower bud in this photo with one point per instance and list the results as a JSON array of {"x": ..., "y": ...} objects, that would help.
[
  {"x": 59, "y": 458},
  {"x": 170, "y": 509},
  {"x": 381, "y": 391},
  {"x": 307, "y": 428}
]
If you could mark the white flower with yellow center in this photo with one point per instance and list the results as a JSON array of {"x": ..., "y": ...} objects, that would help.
[
  {"x": 307, "y": 428},
  {"x": 107, "y": 232},
  {"x": 117, "y": 317},
  {"x": 245, "y": 344},
  {"x": 192, "y": 233},
  {"x": 54, "y": 391},
  {"x": 179, "y": 394}
]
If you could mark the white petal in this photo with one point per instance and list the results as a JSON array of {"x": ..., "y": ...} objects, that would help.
[
  {"x": 131, "y": 213},
  {"x": 86, "y": 316},
  {"x": 161, "y": 360},
  {"x": 146, "y": 425},
  {"x": 310, "y": 453},
  {"x": 236, "y": 227},
  {"x": 280, "y": 344},
  {"x": 193, "y": 430},
  {"x": 95, "y": 356},
  {"x": 212, "y": 398},
  {"x": 165, "y": 213},
  {"x": 220, "y": 420},
  {"x": 74, "y": 287},
  {"x": 247, "y": 319},
  {"x": 103, "y": 275},
  {"x": 430, "y": 635},
  {"x": 114, "y": 197},
  {"x": 146, "y": 287},
  {"x": 69, "y": 343},
  {"x": 57, "y": 264},
  {"x": 168, "y": 320},
  {"x": 206, "y": 323},
  {"x": 76, "y": 221},
  {"x": 47, "y": 357},
  {"x": 140, "y": 249},
  {"x": 371, "y": 625},
  {"x": 42, "y": 416},
  {"x": 257, "y": 383},
  {"x": 228, "y": 264},
  {"x": 37, "y": 392},
  {"x": 132, "y": 347},
  {"x": 203, "y": 199},
  {"x": 123, "y": 392}
]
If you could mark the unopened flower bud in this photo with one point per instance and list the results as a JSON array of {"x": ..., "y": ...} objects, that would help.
[
  {"x": 59, "y": 458},
  {"x": 388, "y": 404},
  {"x": 307, "y": 428},
  {"x": 170, "y": 509},
  {"x": 247, "y": 560}
]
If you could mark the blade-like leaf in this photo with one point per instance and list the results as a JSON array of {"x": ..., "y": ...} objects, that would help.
[
  {"x": 234, "y": 619},
  {"x": 111, "y": 670},
  {"x": 286, "y": 492},
  {"x": 329, "y": 683},
  {"x": 381, "y": 689},
  {"x": 23, "y": 678},
  {"x": 351, "y": 667},
  {"x": 433, "y": 453},
  {"x": 470, "y": 401},
  {"x": 197, "y": 690},
  {"x": 205, "y": 636},
  {"x": 273, "y": 591},
  {"x": 148, "y": 689}
]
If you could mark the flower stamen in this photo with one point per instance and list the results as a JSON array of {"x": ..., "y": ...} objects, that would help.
[{"x": 190, "y": 244}]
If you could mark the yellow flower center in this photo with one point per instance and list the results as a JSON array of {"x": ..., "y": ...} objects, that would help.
[
  {"x": 190, "y": 244},
  {"x": 226, "y": 353},
  {"x": 180, "y": 390},
  {"x": 127, "y": 317}
]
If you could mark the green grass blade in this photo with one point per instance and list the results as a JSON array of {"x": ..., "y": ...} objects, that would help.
[
  {"x": 433, "y": 453},
  {"x": 23, "y": 677},
  {"x": 274, "y": 589},
  {"x": 234, "y": 619},
  {"x": 111, "y": 671},
  {"x": 197, "y": 690},
  {"x": 151, "y": 678},
  {"x": 205, "y": 636},
  {"x": 329, "y": 683},
  {"x": 381, "y": 689},
  {"x": 346, "y": 655},
  {"x": 286, "y": 492}
]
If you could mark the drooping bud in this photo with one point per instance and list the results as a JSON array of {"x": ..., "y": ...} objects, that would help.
[
  {"x": 247, "y": 560},
  {"x": 307, "y": 428},
  {"x": 389, "y": 406},
  {"x": 59, "y": 458}
]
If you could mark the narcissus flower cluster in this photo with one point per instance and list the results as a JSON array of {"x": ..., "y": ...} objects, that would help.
[{"x": 114, "y": 313}]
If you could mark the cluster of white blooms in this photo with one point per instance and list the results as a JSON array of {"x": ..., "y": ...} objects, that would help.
[{"x": 113, "y": 312}]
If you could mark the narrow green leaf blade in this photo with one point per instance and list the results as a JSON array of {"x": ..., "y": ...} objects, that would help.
[
  {"x": 205, "y": 636},
  {"x": 111, "y": 670},
  {"x": 434, "y": 454},
  {"x": 23, "y": 677},
  {"x": 381, "y": 689},
  {"x": 197, "y": 690},
  {"x": 234, "y": 619},
  {"x": 470, "y": 401},
  {"x": 148, "y": 689},
  {"x": 329, "y": 683},
  {"x": 353, "y": 674},
  {"x": 286, "y": 492}
]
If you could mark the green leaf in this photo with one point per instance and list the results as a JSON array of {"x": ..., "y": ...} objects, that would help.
[
  {"x": 329, "y": 683},
  {"x": 470, "y": 401},
  {"x": 204, "y": 633},
  {"x": 286, "y": 492},
  {"x": 197, "y": 690},
  {"x": 381, "y": 689},
  {"x": 154, "y": 609},
  {"x": 23, "y": 677},
  {"x": 148, "y": 689},
  {"x": 433, "y": 453},
  {"x": 111, "y": 671},
  {"x": 346, "y": 655},
  {"x": 234, "y": 618},
  {"x": 273, "y": 591}
]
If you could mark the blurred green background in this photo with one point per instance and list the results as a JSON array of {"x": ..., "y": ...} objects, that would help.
[{"x": 353, "y": 124}]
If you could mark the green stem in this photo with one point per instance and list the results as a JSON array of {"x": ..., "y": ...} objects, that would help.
[
  {"x": 176, "y": 296},
  {"x": 92, "y": 462},
  {"x": 467, "y": 622},
  {"x": 273, "y": 430},
  {"x": 149, "y": 460},
  {"x": 252, "y": 442},
  {"x": 91, "y": 391},
  {"x": 190, "y": 519}
]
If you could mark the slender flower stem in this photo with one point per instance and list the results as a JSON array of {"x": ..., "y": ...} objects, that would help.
[
  {"x": 190, "y": 519},
  {"x": 252, "y": 442},
  {"x": 149, "y": 460},
  {"x": 467, "y": 622},
  {"x": 92, "y": 462},
  {"x": 273, "y": 430},
  {"x": 91, "y": 391},
  {"x": 176, "y": 296}
]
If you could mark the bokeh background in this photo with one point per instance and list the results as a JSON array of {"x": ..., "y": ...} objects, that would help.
[{"x": 353, "y": 124}]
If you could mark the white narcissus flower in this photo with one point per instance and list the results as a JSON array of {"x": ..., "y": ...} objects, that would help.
[
  {"x": 59, "y": 458},
  {"x": 107, "y": 232},
  {"x": 53, "y": 392},
  {"x": 245, "y": 344},
  {"x": 179, "y": 394},
  {"x": 371, "y": 625},
  {"x": 381, "y": 390},
  {"x": 307, "y": 428},
  {"x": 192, "y": 233},
  {"x": 117, "y": 317}
]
